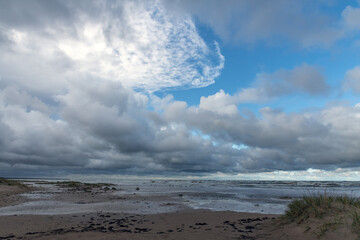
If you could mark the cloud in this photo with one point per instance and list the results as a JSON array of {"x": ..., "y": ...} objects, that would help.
[
  {"x": 303, "y": 22},
  {"x": 102, "y": 126},
  {"x": 136, "y": 43},
  {"x": 220, "y": 102},
  {"x": 303, "y": 79},
  {"x": 275, "y": 140},
  {"x": 352, "y": 80},
  {"x": 306, "y": 79},
  {"x": 74, "y": 86},
  {"x": 351, "y": 18},
  {"x": 33, "y": 138},
  {"x": 67, "y": 71}
]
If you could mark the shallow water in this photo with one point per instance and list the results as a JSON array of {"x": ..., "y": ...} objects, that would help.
[
  {"x": 270, "y": 197},
  {"x": 55, "y": 208}
]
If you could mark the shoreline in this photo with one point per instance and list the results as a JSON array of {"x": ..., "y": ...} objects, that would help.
[
  {"x": 75, "y": 210},
  {"x": 169, "y": 219}
]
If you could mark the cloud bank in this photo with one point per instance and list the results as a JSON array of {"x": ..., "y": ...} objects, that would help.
[
  {"x": 76, "y": 83},
  {"x": 247, "y": 22},
  {"x": 304, "y": 79},
  {"x": 104, "y": 126}
]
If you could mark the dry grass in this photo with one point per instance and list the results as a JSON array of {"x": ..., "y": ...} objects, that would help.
[
  {"x": 8, "y": 182},
  {"x": 334, "y": 210},
  {"x": 80, "y": 186}
]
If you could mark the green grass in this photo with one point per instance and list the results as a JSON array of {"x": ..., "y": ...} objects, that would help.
[
  {"x": 7, "y": 182},
  {"x": 332, "y": 208},
  {"x": 318, "y": 205}
]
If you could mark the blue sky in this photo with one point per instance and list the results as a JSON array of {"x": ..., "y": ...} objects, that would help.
[
  {"x": 244, "y": 61},
  {"x": 173, "y": 88}
]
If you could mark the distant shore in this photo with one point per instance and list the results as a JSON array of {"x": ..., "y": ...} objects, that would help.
[{"x": 115, "y": 219}]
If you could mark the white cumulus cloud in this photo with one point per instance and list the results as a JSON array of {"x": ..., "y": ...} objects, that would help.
[{"x": 136, "y": 43}]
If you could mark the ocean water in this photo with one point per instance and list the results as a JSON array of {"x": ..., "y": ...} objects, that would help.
[{"x": 268, "y": 197}]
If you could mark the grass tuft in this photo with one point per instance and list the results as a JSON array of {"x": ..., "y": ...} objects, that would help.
[{"x": 318, "y": 206}]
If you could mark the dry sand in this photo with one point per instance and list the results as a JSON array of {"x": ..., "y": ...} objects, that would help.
[
  {"x": 183, "y": 224},
  {"x": 9, "y": 195}
]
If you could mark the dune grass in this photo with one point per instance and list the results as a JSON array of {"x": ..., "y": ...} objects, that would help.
[
  {"x": 334, "y": 209},
  {"x": 318, "y": 206},
  {"x": 87, "y": 187},
  {"x": 75, "y": 184},
  {"x": 8, "y": 182}
]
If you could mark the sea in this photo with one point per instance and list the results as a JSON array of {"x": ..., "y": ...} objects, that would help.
[{"x": 267, "y": 197}]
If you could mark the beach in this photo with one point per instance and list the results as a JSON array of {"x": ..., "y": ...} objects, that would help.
[
  {"x": 177, "y": 221},
  {"x": 182, "y": 225},
  {"x": 44, "y": 210}
]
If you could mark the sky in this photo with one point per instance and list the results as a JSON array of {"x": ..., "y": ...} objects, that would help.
[{"x": 226, "y": 90}]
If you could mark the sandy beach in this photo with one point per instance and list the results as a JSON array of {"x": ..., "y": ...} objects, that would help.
[
  {"x": 179, "y": 223},
  {"x": 183, "y": 225},
  {"x": 125, "y": 221},
  {"x": 9, "y": 196}
]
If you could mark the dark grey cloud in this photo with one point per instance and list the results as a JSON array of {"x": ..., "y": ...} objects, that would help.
[
  {"x": 304, "y": 79},
  {"x": 304, "y": 22},
  {"x": 4, "y": 40},
  {"x": 352, "y": 80},
  {"x": 102, "y": 126},
  {"x": 278, "y": 140},
  {"x": 40, "y": 15},
  {"x": 33, "y": 13}
]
